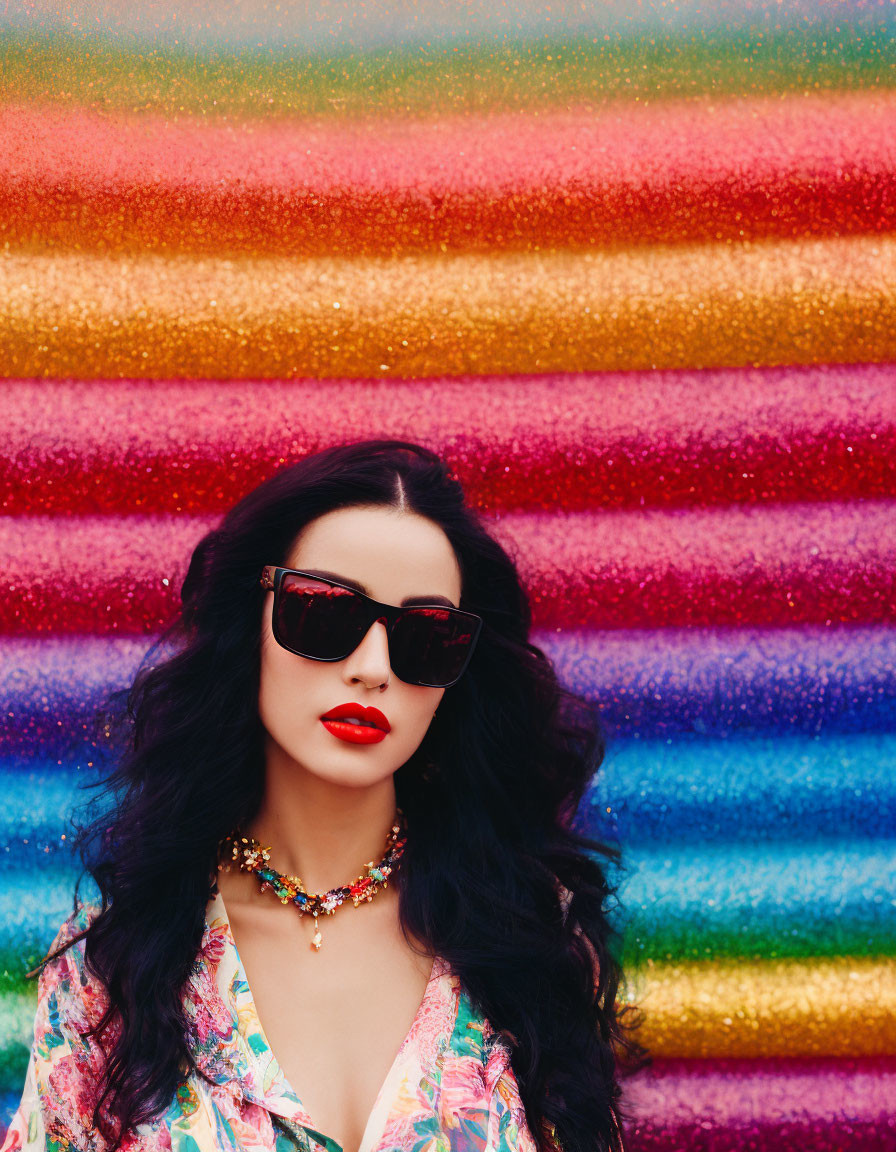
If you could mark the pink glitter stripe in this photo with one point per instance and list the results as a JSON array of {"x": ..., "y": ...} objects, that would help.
[
  {"x": 794, "y": 564},
  {"x": 629, "y": 439},
  {"x": 810, "y": 164},
  {"x": 729, "y": 1092}
]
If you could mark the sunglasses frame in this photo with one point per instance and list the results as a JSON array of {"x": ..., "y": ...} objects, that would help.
[{"x": 272, "y": 580}]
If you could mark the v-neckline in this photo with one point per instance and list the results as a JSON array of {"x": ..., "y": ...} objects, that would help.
[{"x": 379, "y": 1112}]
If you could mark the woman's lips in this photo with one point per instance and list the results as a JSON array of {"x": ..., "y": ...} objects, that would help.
[
  {"x": 356, "y": 724},
  {"x": 354, "y": 733}
]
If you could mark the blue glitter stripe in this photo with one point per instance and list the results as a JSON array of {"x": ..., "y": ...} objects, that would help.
[
  {"x": 766, "y": 788},
  {"x": 829, "y": 898},
  {"x": 698, "y": 790}
]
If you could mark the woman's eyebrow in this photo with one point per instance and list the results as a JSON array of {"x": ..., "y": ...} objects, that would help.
[{"x": 408, "y": 601}]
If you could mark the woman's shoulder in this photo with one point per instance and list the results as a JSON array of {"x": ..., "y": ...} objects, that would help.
[
  {"x": 79, "y": 920},
  {"x": 72, "y": 931},
  {"x": 65, "y": 977}
]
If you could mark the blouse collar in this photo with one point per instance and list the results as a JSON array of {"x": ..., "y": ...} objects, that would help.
[{"x": 226, "y": 1037}]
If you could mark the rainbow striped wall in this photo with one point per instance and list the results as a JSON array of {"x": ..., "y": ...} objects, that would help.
[{"x": 637, "y": 281}]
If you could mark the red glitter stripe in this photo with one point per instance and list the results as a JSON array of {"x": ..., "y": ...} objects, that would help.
[
  {"x": 802, "y": 165},
  {"x": 794, "y": 564}
]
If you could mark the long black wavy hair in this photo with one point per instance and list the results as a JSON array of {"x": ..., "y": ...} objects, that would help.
[{"x": 489, "y": 797}]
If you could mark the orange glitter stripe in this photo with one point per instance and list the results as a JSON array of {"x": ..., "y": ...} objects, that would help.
[{"x": 774, "y": 302}]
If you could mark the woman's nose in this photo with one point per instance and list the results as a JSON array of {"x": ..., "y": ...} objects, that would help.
[{"x": 369, "y": 662}]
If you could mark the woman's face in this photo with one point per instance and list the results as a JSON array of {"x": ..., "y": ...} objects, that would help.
[{"x": 390, "y": 555}]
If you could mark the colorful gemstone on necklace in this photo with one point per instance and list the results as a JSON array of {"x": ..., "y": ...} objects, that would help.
[{"x": 290, "y": 889}]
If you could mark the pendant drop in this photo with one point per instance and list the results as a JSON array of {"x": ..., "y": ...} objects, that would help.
[{"x": 316, "y": 939}]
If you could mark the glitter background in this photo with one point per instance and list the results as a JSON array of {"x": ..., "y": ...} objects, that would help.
[{"x": 632, "y": 269}]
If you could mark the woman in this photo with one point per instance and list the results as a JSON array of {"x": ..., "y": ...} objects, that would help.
[{"x": 348, "y": 787}]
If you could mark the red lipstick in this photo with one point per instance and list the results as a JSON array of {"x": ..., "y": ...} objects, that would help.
[{"x": 356, "y": 724}]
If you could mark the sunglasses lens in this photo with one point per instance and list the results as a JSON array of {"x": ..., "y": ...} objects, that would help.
[
  {"x": 430, "y": 645},
  {"x": 427, "y": 645},
  {"x": 317, "y": 620}
]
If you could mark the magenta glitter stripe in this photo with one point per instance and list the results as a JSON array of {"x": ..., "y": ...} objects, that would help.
[
  {"x": 841, "y": 1135},
  {"x": 625, "y": 440},
  {"x": 729, "y": 1092},
  {"x": 778, "y": 1105}
]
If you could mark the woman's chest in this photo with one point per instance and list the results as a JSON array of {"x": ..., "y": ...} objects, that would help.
[{"x": 334, "y": 1019}]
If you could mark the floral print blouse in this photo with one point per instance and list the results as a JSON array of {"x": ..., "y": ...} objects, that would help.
[{"x": 450, "y": 1087}]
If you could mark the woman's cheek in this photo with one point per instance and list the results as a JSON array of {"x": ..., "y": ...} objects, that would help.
[{"x": 280, "y": 709}]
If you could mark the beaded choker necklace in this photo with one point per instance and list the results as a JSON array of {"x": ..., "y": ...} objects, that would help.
[{"x": 291, "y": 889}]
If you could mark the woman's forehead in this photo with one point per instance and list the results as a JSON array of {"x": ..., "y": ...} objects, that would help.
[{"x": 400, "y": 554}]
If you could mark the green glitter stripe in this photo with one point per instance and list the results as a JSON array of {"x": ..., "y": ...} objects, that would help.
[
  {"x": 767, "y": 936},
  {"x": 442, "y": 78},
  {"x": 860, "y": 929},
  {"x": 17, "y": 1011}
]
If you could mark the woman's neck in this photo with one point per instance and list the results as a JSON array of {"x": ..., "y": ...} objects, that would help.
[{"x": 322, "y": 832}]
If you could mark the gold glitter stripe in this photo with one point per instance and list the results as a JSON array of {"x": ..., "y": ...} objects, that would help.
[
  {"x": 831, "y": 1007},
  {"x": 755, "y": 303}
]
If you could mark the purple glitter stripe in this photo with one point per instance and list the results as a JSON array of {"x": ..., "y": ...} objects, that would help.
[{"x": 648, "y": 683}]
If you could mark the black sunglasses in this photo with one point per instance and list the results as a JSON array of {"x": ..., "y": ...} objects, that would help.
[{"x": 429, "y": 644}]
